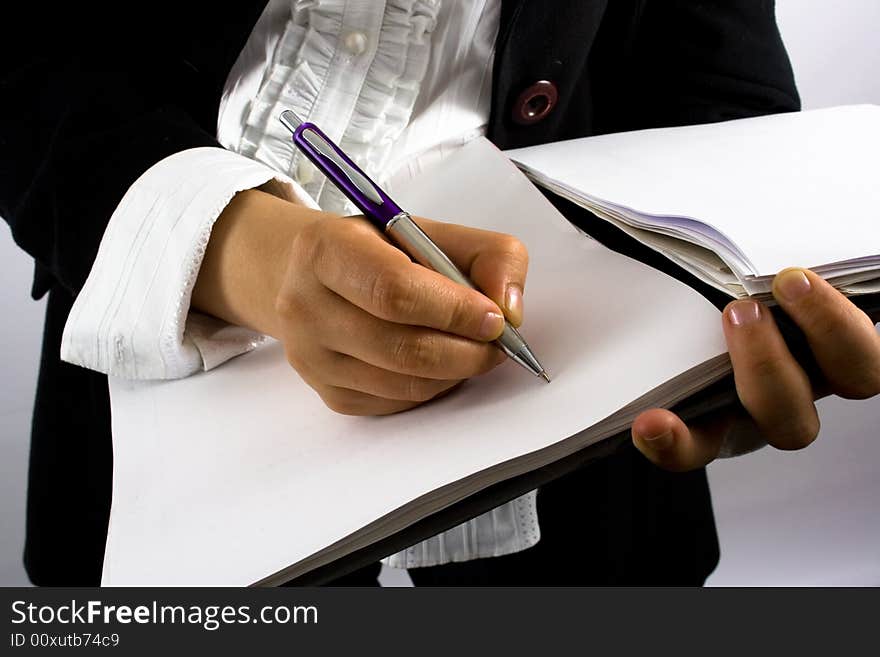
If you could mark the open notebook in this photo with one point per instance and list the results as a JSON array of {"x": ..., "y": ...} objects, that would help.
[
  {"x": 241, "y": 475},
  {"x": 734, "y": 203}
]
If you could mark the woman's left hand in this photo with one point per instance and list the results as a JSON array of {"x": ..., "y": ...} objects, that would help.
[{"x": 772, "y": 386}]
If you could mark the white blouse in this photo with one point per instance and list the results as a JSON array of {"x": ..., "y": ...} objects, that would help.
[{"x": 397, "y": 84}]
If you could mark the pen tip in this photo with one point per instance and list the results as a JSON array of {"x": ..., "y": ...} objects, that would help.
[{"x": 545, "y": 376}]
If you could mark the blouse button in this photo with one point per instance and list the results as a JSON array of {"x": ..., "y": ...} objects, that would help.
[
  {"x": 535, "y": 103},
  {"x": 355, "y": 42}
]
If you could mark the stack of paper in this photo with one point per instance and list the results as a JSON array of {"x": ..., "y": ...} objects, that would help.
[{"x": 736, "y": 202}]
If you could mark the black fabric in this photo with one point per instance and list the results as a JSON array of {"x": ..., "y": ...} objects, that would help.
[
  {"x": 654, "y": 535},
  {"x": 657, "y": 532},
  {"x": 630, "y": 64},
  {"x": 91, "y": 100},
  {"x": 71, "y": 463}
]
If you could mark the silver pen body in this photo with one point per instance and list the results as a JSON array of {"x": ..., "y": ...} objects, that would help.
[{"x": 413, "y": 240}]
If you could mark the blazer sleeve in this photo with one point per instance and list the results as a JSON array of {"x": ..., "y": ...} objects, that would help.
[
  {"x": 87, "y": 108},
  {"x": 707, "y": 61}
]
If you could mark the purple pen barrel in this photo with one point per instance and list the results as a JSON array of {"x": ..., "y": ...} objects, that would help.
[{"x": 369, "y": 198}]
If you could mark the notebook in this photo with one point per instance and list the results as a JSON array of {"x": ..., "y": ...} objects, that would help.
[
  {"x": 241, "y": 476},
  {"x": 735, "y": 202}
]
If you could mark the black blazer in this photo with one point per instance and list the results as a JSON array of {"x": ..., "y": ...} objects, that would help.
[{"x": 90, "y": 100}]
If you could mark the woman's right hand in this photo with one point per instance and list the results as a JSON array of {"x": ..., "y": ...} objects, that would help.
[{"x": 372, "y": 332}]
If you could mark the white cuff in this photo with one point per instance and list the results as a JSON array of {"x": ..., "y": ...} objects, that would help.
[{"x": 130, "y": 318}]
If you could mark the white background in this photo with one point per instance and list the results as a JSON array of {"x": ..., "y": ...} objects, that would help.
[{"x": 784, "y": 518}]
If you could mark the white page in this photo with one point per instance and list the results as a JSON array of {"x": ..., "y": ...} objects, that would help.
[
  {"x": 230, "y": 476},
  {"x": 796, "y": 189}
]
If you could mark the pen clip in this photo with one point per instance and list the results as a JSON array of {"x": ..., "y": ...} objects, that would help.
[
  {"x": 357, "y": 179},
  {"x": 341, "y": 171}
]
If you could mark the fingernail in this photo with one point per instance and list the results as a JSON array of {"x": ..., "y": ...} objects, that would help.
[
  {"x": 792, "y": 284},
  {"x": 660, "y": 440},
  {"x": 513, "y": 301},
  {"x": 492, "y": 325},
  {"x": 742, "y": 313}
]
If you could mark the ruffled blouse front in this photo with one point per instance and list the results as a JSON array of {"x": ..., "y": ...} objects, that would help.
[{"x": 353, "y": 70}]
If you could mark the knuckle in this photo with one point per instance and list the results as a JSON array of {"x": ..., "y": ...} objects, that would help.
[
  {"x": 824, "y": 319},
  {"x": 460, "y": 315},
  {"x": 291, "y": 307},
  {"x": 515, "y": 247},
  {"x": 415, "y": 353},
  {"x": 286, "y": 306},
  {"x": 357, "y": 225},
  {"x": 766, "y": 366},
  {"x": 813, "y": 311},
  {"x": 307, "y": 246},
  {"x": 317, "y": 247},
  {"x": 392, "y": 295},
  {"x": 515, "y": 252}
]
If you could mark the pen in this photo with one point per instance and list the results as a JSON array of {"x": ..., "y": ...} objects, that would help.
[{"x": 389, "y": 218}]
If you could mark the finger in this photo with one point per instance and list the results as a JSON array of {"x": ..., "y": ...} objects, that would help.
[
  {"x": 360, "y": 266},
  {"x": 771, "y": 385},
  {"x": 670, "y": 444},
  {"x": 352, "y": 402},
  {"x": 841, "y": 336},
  {"x": 345, "y": 371},
  {"x": 496, "y": 263},
  {"x": 409, "y": 350}
]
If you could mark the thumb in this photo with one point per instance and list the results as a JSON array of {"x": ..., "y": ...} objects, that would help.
[{"x": 495, "y": 262}]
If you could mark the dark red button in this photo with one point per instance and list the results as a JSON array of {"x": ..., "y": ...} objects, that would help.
[{"x": 535, "y": 103}]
